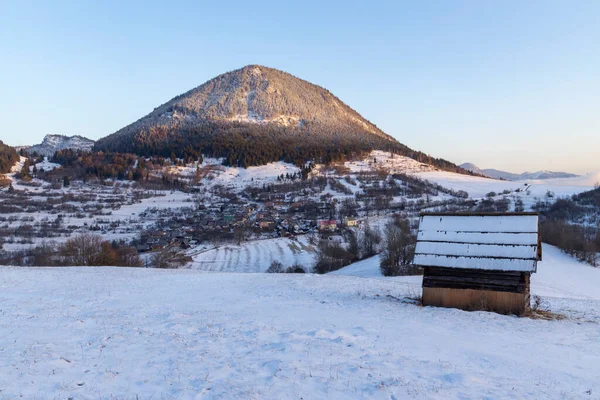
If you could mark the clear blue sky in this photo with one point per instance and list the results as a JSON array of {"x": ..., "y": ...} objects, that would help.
[{"x": 513, "y": 85}]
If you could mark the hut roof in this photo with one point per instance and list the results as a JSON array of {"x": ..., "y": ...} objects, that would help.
[{"x": 502, "y": 242}]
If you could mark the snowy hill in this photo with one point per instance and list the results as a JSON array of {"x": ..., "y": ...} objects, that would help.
[
  {"x": 559, "y": 275},
  {"x": 497, "y": 174},
  {"x": 478, "y": 187},
  {"x": 52, "y": 143},
  {"x": 144, "y": 333}
]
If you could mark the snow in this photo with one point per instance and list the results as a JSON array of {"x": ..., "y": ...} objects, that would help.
[
  {"x": 477, "y": 250},
  {"x": 46, "y": 165},
  {"x": 487, "y": 238},
  {"x": 439, "y": 242},
  {"x": 560, "y": 275},
  {"x": 386, "y": 160},
  {"x": 256, "y": 255},
  {"x": 236, "y": 178},
  {"x": 104, "y": 333},
  {"x": 480, "y": 224},
  {"x": 530, "y": 190},
  {"x": 53, "y": 143},
  {"x": 471, "y": 262}
]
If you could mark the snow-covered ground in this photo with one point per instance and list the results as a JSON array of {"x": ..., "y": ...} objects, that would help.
[
  {"x": 214, "y": 173},
  {"x": 46, "y": 165},
  {"x": 255, "y": 256},
  {"x": 478, "y": 187},
  {"x": 558, "y": 275},
  {"x": 121, "y": 333},
  {"x": 392, "y": 163}
]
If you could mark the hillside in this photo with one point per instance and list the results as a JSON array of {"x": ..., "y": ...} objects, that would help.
[
  {"x": 52, "y": 143},
  {"x": 255, "y": 115},
  {"x": 509, "y": 176},
  {"x": 146, "y": 333},
  {"x": 8, "y": 158}
]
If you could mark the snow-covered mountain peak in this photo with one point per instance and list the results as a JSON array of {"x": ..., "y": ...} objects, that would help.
[{"x": 52, "y": 143}]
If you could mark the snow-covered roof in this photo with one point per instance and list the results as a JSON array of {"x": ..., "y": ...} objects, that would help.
[{"x": 503, "y": 242}]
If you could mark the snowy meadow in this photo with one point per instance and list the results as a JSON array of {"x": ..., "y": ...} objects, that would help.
[{"x": 126, "y": 333}]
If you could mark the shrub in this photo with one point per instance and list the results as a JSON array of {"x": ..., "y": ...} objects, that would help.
[
  {"x": 168, "y": 258},
  {"x": 295, "y": 269},
  {"x": 275, "y": 268}
]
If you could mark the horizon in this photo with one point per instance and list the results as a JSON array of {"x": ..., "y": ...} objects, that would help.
[{"x": 449, "y": 80}]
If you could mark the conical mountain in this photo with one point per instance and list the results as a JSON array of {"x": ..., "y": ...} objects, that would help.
[{"x": 255, "y": 115}]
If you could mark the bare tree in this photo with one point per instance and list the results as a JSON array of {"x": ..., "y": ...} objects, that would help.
[{"x": 398, "y": 249}]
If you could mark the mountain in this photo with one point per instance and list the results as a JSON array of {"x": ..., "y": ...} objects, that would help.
[
  {"x": 471, "y": 167},
  {"x": 256, "y": 115},
  {"x": 8, "y": 157},
  {"x": 497, "y": 174},
  {"x": 52, "y": 143}
]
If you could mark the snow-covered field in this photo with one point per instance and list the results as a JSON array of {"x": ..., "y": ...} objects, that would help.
[
  {"x": 255, "y": 256},
  {"x": 559, "y": 275},
  {"x": 478, "y": 187},
  {"x": 235, "y": 178},
  {"x": 392, "y": 163},
  {"x": 120, "y": 333}
]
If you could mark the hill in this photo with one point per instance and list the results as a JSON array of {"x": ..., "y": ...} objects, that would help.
[
  {"x": 8, "y": 157},
  {"x": 255, "y": 115},
  {"x": 509, "y": 176},
  {"x": 52, "y": 143}
]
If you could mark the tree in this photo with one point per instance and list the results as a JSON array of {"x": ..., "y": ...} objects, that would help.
[
  {"x": 398, "y": 248},
  {"x": 85, "y": 250},
  {"x": 519, "y": 206},
  {"x": 369, "y": 241},
  {"x": 239, "y": 234},
  {"x": 331, "y": 257},
  {"x": 168, "y": 257}
]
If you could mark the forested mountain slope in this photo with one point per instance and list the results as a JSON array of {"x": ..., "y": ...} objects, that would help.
[
  {"x": 8, "y": 157},
  {"x": 256, "y": 115}
]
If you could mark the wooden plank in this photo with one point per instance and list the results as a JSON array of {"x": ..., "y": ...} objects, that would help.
[
  {"x": 476, "y": 280},
  {"x": 467, "y": 299}
]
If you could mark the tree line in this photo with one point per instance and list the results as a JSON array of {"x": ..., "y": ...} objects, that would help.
[
  {"x": 8, "y": 157},
  {"x": 573, "y": 224},
  {"x": 244, "y": 145}
]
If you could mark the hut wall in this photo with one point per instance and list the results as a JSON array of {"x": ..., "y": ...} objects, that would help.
[
  {"x": 471, "y": 289},
  {"x": 478, "y": 279},
  {"x": 471, "y": 299}
]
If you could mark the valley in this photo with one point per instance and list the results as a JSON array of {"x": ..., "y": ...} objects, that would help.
[{"x": 234, "y": 219}]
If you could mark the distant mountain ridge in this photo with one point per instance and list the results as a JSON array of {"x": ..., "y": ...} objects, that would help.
[
  {"x": 52, "y": 143},
  {"x": 256, "y": 115},
  {"x": 497, "y": 174}
]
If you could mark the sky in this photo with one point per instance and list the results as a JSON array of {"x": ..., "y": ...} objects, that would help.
[{"x": 512, "y": 85}]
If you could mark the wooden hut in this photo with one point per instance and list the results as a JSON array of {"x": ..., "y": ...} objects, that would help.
[{"x": 478, "y": 261}]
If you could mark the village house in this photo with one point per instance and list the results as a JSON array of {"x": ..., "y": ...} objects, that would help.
[
  {"x": 327, "y": 225},
  {"x": 478, "y": 261},
  {"x": 350, "y": 222},
  {"x": 266, "y": 224}
]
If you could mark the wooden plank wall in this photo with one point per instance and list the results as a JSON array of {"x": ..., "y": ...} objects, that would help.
[
  {"x": 476, "y": 279},
  {"x": 471, "y": 300}
]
